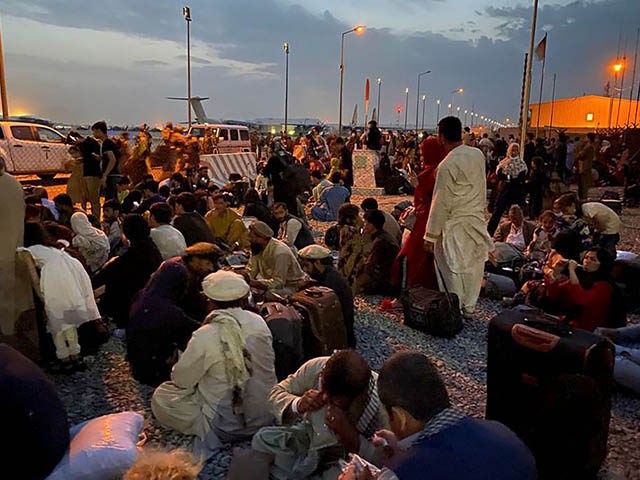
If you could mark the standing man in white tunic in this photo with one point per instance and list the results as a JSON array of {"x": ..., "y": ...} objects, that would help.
[{"x": 456, "y": 232}]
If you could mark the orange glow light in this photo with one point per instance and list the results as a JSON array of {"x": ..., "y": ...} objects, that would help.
[
  {"x": 359, "y": 29},
  {"x": 617, "y": 67}
]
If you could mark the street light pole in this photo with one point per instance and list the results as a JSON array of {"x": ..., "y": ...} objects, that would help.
[
  {"x": 186, "y": 12},
  {"x": 438, "y": 114},
  {"x": 3, "y": 85},
  {"x": 358, "y": 29},
  {"x": 285, "y": 47},
  {"x": 418, "y": 96},
  {"x": 465, "y": 117},
  {"x": 406, "y": 106},
  {"x": 424, "y": 107},
  {"x": 457, "y": 90},
  {"x": 378, "y": 109}
]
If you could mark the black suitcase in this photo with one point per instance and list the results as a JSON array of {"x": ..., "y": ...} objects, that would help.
[
  {"x": 551, "y": 384},
  {"x": 285, "y": 323}
]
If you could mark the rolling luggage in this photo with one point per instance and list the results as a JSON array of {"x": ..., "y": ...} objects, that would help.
[
  {"x": 551, "y": 385},
  {"x": 324, "y": 330},
  {"x": 285, "y": 323}
]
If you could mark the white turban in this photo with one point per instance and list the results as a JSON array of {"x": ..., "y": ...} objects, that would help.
[{"x": 225, "y": 286}]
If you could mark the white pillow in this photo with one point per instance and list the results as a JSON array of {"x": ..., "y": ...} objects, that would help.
[{"x": 101, "y": 449}]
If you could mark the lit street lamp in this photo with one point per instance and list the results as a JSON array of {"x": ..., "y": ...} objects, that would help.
[
  {"x": 457, "y": 90},
  {"x": 285, "y": 47},
  {"x": 465, "y": 117},
  {"x": 424, "y": 108},
  {"x": 617, "y": 68},
  {"x": 450, "y": 111},
  {"x": 186, "y": 13},
  {"x": 418, "y": 96},
  {"x": 438, "y": 114},
  {"x": 406, "y": 106},
  {"x": 358, "y": 29}
]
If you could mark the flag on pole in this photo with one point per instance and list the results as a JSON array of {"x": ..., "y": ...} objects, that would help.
[
  {"x": 366, "y": 100},
  {"x": 541, "y": 49},
  {"x": 374, "y": 115},
  {"x": 354, "y": 119}
]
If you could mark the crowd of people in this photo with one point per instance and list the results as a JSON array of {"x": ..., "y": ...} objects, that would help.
[{"x": 178, "y": 274}]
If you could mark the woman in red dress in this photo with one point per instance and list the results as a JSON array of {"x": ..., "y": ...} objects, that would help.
[{"x": 419, "y": 265}]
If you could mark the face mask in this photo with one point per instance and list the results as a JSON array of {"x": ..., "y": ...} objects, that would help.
[{"x": 256, "y": 248}]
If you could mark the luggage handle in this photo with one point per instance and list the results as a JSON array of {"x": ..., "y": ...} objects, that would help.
[{"x": 534, "y": 339}]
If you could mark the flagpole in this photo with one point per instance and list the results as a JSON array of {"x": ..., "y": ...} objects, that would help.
[
  {"x": 624, "y": 63},
  {"x": 527, "y": 83},
  {"x": 524, "y": 77},
  {"x": 553, "y": 101},
  {"x": 633, "y": 78},
  {"x": 544, "y": 60}
]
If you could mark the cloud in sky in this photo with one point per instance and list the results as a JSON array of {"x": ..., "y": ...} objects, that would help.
[{"x": 78, "y": 61}]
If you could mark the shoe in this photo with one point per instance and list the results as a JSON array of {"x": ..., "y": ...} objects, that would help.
[
  {"x": 79, "y": 365},
  {"x": 467, "y": 315}
]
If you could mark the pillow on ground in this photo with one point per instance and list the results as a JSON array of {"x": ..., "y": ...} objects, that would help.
[{"x": 101, "y": 449}]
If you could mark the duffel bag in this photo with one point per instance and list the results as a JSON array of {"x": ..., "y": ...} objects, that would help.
[{"x": 432, "y": 312}]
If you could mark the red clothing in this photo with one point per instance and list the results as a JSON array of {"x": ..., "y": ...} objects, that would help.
[
  {"x": 420, "y": 267},
  {"x": 588, "y": 308}
]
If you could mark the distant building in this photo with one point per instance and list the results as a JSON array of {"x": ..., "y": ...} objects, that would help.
[{"x": 584, "y": 114}]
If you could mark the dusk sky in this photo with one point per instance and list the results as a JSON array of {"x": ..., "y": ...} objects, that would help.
[{"x": 76, "y": 61}]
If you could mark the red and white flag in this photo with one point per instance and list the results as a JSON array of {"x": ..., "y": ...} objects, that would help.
[
  {"x": 541, "y": 49},
  {"x": 367, "y": 89}
]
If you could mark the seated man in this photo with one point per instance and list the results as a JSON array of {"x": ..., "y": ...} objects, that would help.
[
  {"x": 35, "y": 421},
  {"x": 199, "y": 260},
  {"x": 375, "y": 275},
  {"x": 431, "y": 439},
  {"x": 273, "y": 266},
  {"x": 191, "y": 224},
  {"x": 331, "y": 198},
  {"x": 168, "y": 239},
  {"x": 226, "y": 225},
  {"x": 220, "y": 386},
  {"x": 512, "y": 237},
  {"x": 326, "y": 409},
  {"x": 317, "y": 262},
  {"x": 150, "y": 195},
  {"x": 293, "y": 231},
  {"x": 111, "y": 218},
  {"x": 391, "y": 225}
]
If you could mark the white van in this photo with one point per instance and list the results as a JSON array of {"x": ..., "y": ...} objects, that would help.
[
  {"x": 231, "y": 138},
  {"x": 31, "y": 148}
]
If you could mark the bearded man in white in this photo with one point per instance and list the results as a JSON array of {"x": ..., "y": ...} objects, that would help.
[
  {"x": 456, "y": 232},
  {"x": 219, "y": 389}
]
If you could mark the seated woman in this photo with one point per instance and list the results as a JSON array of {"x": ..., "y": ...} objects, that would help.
[
  {"x": 92, "y": 243},
  {"x": 585, "y": 295},
  {"x": 157, "y": 326}
]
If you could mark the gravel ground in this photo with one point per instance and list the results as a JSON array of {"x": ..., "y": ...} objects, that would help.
[{"x": 107, "y": 385}]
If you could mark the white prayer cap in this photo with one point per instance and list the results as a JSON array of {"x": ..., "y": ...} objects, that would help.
[
  {"x": 314, "y": 252},
  {"x": 225, "y": 286}
]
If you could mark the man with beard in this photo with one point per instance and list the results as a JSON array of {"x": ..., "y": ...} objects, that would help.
[
  {"x": 225, "y": 224},
  {"x": 317, "y": 262},
  {"x": 273, "y": 266},
  {"x": 325, "y": 410},
  {"x": 111, "y": 218},
  {"x": 292, "y": 230}
]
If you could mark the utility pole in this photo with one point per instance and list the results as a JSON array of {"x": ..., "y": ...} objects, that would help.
[
  {"x": 186, "y": 12},
  {"x": 527, "y": 78},
  {"x": 3, "y": 85}
]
